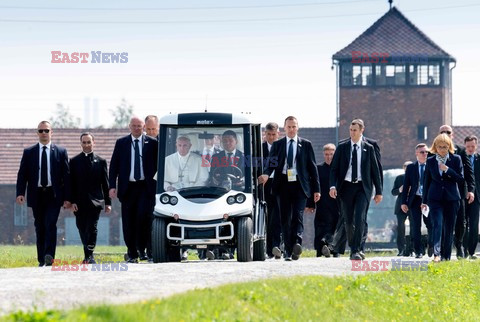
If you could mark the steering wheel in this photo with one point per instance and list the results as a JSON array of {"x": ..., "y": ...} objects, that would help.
[{"x": 233, "y": 172}]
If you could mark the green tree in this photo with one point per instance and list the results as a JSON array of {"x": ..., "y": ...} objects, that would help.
[
  {"x": 63, "y": 118},
  {"x": 122, "y": 114}
]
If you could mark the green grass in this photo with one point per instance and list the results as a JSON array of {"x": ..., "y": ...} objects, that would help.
[
  {"x": 25, "y": 256},
  {"x": 446, "y": 291}
]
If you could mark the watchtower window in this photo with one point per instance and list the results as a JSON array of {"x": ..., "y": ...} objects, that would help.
[
  {"x": 390, "y": 75},
  {"x": 424, "y": 74}
]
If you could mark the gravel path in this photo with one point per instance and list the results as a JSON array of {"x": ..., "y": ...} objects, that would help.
[{"x": 42, "y": 288}]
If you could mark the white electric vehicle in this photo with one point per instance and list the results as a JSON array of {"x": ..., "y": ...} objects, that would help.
[{"x": 221, "y": 207}]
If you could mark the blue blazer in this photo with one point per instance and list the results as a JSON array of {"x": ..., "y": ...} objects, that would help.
[
  {"x": 120, "y": 164},
  {"x": 446, "y": 186},
  {"x": 27, "y": 177},
  {"x": 410, "y": 184}
]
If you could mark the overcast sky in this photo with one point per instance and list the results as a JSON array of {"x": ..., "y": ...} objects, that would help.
[{"x": 271, "y": 58}]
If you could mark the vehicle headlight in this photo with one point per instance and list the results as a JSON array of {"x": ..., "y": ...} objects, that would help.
[
  {"x": 240, "y": 198},
  {"x": 164, "y": 199},
  {"x": 231, "y": 200},
  {"x": 173, "y": 200}
]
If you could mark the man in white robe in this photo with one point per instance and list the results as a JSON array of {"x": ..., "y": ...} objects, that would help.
[{"x": 184, "y": 169}]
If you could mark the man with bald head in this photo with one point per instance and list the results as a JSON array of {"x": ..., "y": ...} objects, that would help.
[
  {"x": 132, "y": 164},
  {"x": 466, "y": 194},
  {"x": 44, "y": 174},
  {"x": 152, "y": 126}
]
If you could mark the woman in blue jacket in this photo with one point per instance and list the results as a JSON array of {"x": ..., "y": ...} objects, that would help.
[{"x": 443, "y": 177}]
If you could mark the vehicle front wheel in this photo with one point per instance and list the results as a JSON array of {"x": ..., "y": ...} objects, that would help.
[
  {"x": 245, "y": 239},
  {"x": 159, "y": 240}
]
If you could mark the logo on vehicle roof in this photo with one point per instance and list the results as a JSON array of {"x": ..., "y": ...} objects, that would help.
[{"x": 205, "y": 122}]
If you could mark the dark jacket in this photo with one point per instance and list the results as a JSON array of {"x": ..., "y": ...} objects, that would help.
[
  {"x": 306, "y": 165},
  {"x": 89, "y": 180},
  {"x": 446, "y": 186},
  {"x": 399, "y": 181},
  {"x": 27, "y": 178}
]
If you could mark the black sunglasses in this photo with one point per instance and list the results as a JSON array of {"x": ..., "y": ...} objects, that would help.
[
  {"x": 446, "y": 132},
  {"x": 423, "y": 152},
  {"x": 43, "y": 130}
]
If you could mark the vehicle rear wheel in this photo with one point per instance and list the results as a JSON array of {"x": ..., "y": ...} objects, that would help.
[
  {"x": 259, "y": 250},
  {"x": 159, "y": 240},
  {"x": 245, "y": 239}
]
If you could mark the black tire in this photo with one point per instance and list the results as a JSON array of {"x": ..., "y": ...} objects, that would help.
[
  {"x": 245, "y": 239},
  {"x": 259, "y": 250},
  {"x": 159, "y": 240}
]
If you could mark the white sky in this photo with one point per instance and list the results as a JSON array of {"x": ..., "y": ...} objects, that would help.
[{"x": 271, "y": 58}]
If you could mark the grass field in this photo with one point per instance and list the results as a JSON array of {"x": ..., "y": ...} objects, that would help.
[
  {"x": 446, "y": 291},
  {"x": 26, "y": 256}
]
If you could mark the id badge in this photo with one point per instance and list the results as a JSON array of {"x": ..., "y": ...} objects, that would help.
[{"x": 292, "y": 175}]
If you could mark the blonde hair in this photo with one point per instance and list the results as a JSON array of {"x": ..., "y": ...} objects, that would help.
[{"x": 442, "y": 138}]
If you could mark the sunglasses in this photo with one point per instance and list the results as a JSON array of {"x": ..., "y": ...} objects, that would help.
[
  {"x": 423, "y": 152},
  {"x": 43, "y": 130},
  {"x": 446, "y": 132}
]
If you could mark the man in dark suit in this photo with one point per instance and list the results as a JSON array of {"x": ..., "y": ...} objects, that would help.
[
  {"x": 340, "y": 237},
  {"x": 227, "y": 168},
  {"x": 401, "y": 215},
  {"x": 295, "y": 180},
  {"x": 128, "y": 164},
  {"x": 326, "y": 210},
  {"x": 274, "y": 226},
  {"x": 466, "y": 193},
  {"x": 89, "y": 180},
  {"x": 472, "y": 209},
  {"x": 44, "y": 173},
  {"x": 354, "y": 174}
]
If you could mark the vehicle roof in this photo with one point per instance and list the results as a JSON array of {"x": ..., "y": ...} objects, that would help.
[{"x": 207, "y": 118}]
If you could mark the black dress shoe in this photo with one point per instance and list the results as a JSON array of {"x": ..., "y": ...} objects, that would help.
[
  {"x": 295, "y": 257},
  {"x": 132, "y": 260},
  {"x": 326, "y": 251},
  {"x": 400, "y": 253},
  {"x": 460, "y": 253},
  {"x": 319, "y": 253},
  {"x": 48, "y": 260},
  {"x": 288, "y": 258},
  {"x": 430, "y": 251},
  {"x": 277, "y": 253},
  {"x": 419, "y": 255},
  {"x": 297, "y": 249},
  {"x": 41, "y": 264},
  {"x": 91, "y": 260},
  {"x": 362, "y": 254},
  {"x": 336, "y": 255},
  {"x": 355, "y": 257}
]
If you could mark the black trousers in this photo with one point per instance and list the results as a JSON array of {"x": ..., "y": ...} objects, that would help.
[
  {"x": 460, "y": 224},
  {"x": 416, "y": 225},
  {"x": 325, "y": 223},
  {"x": 274, "y": 225},
  {"x": 46, "y": 214},
  {"x": 401, "y": 217},
  {"x": 470, "y": 239},
  {"x": 292, "y": 202},
  {"x": 135, "y": 218},
  {"x": 86, "y": 219},
  {"x": 354, "y": 204}
]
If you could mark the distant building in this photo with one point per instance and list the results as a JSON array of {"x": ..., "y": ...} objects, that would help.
[{"x": 399, "y": 82}]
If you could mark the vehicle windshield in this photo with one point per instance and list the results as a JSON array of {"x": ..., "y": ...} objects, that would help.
[{"x": 208, "y": 157}]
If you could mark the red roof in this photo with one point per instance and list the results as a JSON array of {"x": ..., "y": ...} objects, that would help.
[{"x": 394, "y": 34}]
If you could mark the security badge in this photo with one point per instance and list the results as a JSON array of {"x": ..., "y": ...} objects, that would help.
[{"x": 292, "y": 175}]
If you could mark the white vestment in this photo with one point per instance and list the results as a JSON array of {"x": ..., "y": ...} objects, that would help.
[{"x": 184, "y": 171}]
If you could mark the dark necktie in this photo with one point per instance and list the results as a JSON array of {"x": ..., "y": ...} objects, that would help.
[
  {"x": 422, "y": 177},
  {"x": 44, "y": 168},
  {"x": 136, "y": 170},
  {"x": 290, "y": 155},
  {"x": 229, "y": 159},
  {"x": 354, "y": 164},
  {"x": 472, "y": 159}
]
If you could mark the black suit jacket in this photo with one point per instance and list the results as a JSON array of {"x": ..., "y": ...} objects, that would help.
[
  {"x": 220, "y": 168},
  {"x": 89, "y": 180},
  {"x": 410, "y": 185},
  {"x": 469, "y": 183},
  {"x": 399, "y": 181},
  {"x": 378, "y": 155},
  {"x": 120, "y": 164},
  {"x": 446, "y": 186},
  {"x": 371, "y": 175},
  {"x": 476, "y": 174},
  {"x": 27, "y": 177},
  {"x": 306, "y": 165}
]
